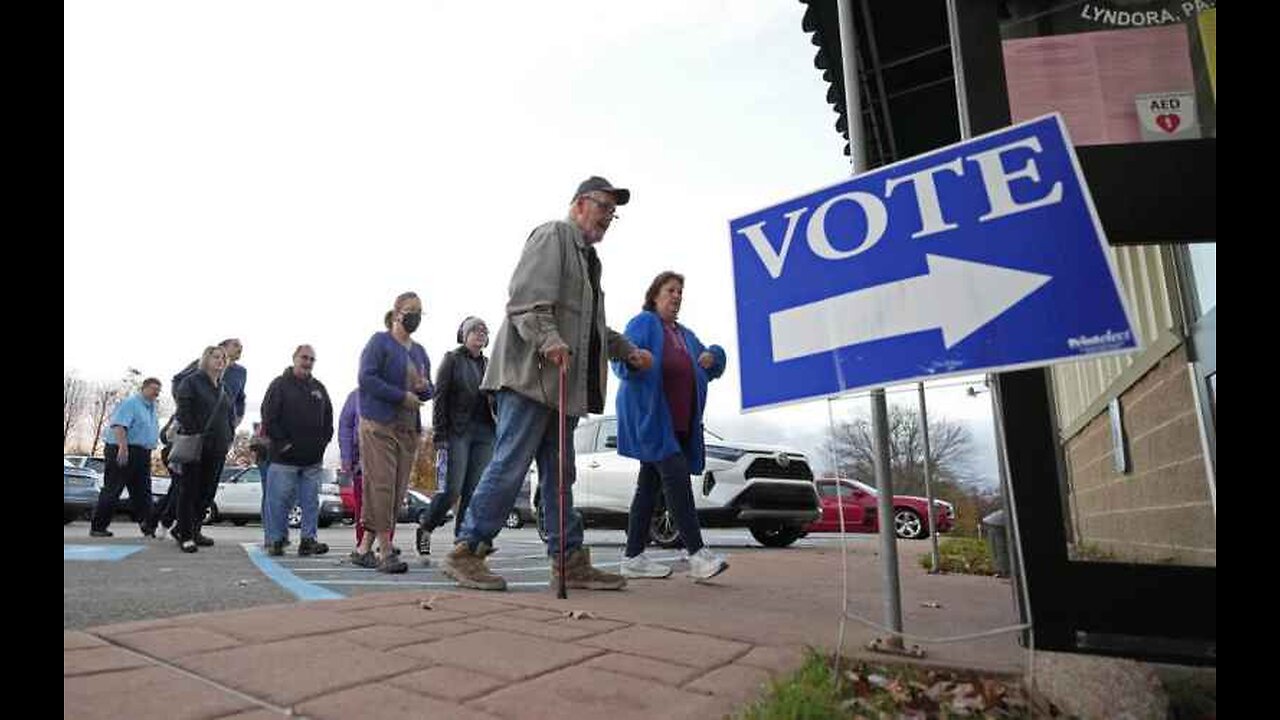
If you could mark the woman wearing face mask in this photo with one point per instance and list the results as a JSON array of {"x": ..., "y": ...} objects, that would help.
[
  {"x": 462, "y": 429},
  {"x": 202, "y": 407},
  {"x": 394, "y": 381}
]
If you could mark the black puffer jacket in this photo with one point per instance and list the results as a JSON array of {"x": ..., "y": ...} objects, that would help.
[
  {"x": 459, "y": 401},
  {"x": 299, "y": 419}
]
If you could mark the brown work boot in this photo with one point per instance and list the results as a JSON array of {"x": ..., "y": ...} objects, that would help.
[
  {"x": 580, "y": 574},
  {"x": 470, "y": 570}
]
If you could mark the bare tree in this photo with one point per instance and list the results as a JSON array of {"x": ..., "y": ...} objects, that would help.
[
  {"x": 104, "y": 397},
  {"x": 75, "y": 400},
  {"x": 950, "y": 450}
]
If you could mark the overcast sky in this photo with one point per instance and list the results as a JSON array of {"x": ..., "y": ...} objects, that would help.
[{"x": 280, "y": 171}]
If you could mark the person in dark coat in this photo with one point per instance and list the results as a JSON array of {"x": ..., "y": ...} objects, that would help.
[
  {"x": 462, "y": 429},
  {"x": 202, "y": 409},
  {"x": 298, "y": 416}
]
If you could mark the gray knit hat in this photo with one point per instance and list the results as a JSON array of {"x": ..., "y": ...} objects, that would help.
[{"x": 471, "y": 323}]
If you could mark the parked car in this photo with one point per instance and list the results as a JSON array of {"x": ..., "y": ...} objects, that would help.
[
  {"x": 79, "y": 493},
  {"x": 767, "y": 489},
  {"x": 416, "y": 503},
  {"x": 523, "y": 512},
  {"x": 96, "y": 464},
  {"x": 239, "y": 499},
  {"x": 861, "y": 510},
  {"x": 97, "y": 467},
  {"x": 415, "y": 508}
]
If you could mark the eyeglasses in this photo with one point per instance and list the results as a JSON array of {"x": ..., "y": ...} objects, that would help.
[{"x": 610, "y": 209}]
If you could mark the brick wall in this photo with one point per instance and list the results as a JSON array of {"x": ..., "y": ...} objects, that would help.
[{"x": 1160, "y": 511}]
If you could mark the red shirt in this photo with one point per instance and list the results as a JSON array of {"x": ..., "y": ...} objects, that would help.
[{"x": 677, "y": 378}]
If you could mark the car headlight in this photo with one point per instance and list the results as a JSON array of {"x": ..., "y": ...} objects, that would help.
[{"x": 721, "y": 452}]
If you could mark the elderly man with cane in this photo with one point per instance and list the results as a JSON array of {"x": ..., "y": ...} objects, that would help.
[{"x": 549, "y": 368}]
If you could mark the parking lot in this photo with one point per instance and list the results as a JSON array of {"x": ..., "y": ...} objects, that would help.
[{"x": 129, "y": 577}]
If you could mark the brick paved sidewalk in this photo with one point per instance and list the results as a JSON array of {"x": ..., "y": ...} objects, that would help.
[{"x": 386, "y": 656}]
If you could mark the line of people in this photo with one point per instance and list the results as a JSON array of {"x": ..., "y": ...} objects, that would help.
[{"x": 492, "y": 418}]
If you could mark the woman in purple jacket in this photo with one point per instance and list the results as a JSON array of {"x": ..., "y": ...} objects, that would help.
[
  {"x": 349, "y": 444},
  {"x": 395, "y": 380}
]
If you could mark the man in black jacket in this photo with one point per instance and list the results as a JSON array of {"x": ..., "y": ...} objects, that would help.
[{"x": 299, "y": 420}]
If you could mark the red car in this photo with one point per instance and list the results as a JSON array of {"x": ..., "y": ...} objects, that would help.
[
  {"x": 861, "y": 513},
  {"x": 347, "y": 491}
]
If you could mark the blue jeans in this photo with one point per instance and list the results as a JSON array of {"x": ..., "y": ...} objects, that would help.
[
  {"x": 669, "y": 476},
  {"x": 527, "y": 430},
  {"x": 289, "y": 484},
  {"x": 469, "y": 455}
]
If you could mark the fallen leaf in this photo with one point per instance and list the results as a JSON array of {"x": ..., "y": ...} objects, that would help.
[{"x": 992, "y": 691}]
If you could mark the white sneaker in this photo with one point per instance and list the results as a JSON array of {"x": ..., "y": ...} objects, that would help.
[
  {"x": 704, "y": 565},
  {"x": 682, "y": 561},
  {"x": 641, "y": 566}
]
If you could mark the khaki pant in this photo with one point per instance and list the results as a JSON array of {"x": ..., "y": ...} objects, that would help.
[{"x": 386, "y": 454}]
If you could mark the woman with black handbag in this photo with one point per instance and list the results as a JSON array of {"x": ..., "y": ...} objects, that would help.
[{"x": 201, "y": 404}]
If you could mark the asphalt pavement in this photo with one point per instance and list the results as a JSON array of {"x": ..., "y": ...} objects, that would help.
[{"x": 154, "y": 579}]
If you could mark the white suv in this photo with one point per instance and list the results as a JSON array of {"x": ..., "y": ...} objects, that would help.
[{"x": 767, "y": 489}]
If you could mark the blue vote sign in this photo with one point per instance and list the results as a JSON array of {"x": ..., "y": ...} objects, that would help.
[{"x": 983, "y": 256}]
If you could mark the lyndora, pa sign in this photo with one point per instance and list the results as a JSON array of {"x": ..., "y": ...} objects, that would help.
[{"x": 983, "y": 256}]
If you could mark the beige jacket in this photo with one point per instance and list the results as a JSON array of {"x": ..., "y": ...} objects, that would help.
[{"x": 550, "y": 301}]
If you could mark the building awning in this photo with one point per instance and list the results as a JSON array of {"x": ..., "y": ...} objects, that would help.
[{"x": 907, "y": 84}]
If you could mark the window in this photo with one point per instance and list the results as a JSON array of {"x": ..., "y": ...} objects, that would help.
[
  {"x": 1204, "y": 273},
  {"x": 609, "y": 433}
]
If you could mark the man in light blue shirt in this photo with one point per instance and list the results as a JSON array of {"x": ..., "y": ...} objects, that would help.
[{"x": 135, "y": 431}]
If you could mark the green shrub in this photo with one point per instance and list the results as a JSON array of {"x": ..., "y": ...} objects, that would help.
[{"x": 969, "y": 556}]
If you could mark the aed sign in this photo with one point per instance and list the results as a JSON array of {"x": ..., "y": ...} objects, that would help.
[
  {"x": 979, "y": 257},
  {"x": 1167, "y": 116}
]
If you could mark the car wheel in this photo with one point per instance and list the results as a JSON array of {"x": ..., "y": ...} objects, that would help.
[
  {"x": 663, "y": 531},
  {"x": 239, "y": 523},
  {"x": 421, "y": 517},
  {"x": 68, "y": 519},
  {"x": 211, "y": 515},
  {"x": 775, "y": 534},
  {"x": 348, "y": 521},
  {"x": 295, "y": 517},
  {"x": 324, "y": 522},
  {"x": 908, "y": 525},
  {"x": 514, "y": 521}
]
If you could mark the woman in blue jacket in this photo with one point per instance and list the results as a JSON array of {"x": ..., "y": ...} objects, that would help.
[
  {"x": 395, "y": 380},
  {"x": 660, "y": 424}
]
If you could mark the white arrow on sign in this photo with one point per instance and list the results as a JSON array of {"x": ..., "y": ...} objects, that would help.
[{"x": 956, "y": 296}]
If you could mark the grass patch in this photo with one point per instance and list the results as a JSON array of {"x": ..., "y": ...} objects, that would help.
[
  {"x": 875, "y": 690},
  {"x": 969, "y": 556}
]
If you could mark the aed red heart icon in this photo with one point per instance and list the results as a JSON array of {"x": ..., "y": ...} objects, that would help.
[{"x": 1168, "y": 123}]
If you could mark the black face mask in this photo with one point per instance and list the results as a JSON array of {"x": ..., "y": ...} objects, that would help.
[{"x": 410, "y": 321}]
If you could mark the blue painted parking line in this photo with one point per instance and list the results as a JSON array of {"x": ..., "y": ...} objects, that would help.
[
  {"x": 300, "y": 588},
  {"x": 98, "y": 553}
]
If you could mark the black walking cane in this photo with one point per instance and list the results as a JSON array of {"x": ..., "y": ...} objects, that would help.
[{"x": 561, "y": 593}]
